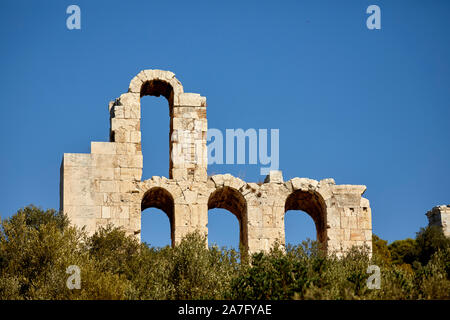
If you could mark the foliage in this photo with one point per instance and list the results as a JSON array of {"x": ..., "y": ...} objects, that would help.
[
  {"x": 276, "y": 275},
  {"x": 381, "y": 250},
  {"x": 37, "y": 246},
  {"x": 430, "y": 240},
  {"x": 403, "y": 251},
  {"x": 416, "y": 253}
]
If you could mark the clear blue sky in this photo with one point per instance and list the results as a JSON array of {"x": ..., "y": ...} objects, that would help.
[{"x": 361, "y": 106}]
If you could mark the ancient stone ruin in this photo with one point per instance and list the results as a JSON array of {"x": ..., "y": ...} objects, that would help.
[
  {"x": 440, "y": 216},
  {"x": 105, "y": 185}
]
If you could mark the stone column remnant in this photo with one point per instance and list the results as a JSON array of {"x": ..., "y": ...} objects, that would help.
[{"x": 440, "y": 216}]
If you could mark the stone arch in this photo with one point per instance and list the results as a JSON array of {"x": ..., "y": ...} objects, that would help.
[
  {"x": 314, "y": 205},
  {"x": 156, "y": 83},
  {"x": 105, "y": 185},
  {"x": 222, "y": 180},
  {"x": 161, "y": 198},
  {"x": 188, "y": 125},
  {"x": 231, "y": 199}
]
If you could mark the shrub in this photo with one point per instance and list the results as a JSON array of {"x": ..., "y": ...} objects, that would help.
[{"x": 37, "y": 246}]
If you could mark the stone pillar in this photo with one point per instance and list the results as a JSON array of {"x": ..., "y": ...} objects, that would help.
[
  {"x": 78, "y": 198},
  {"x": 256, "y": 239},
  {"x": 191, "y": 212},
  {"x": 354, "y": 214},
  {"x": 188, "y": 139}
]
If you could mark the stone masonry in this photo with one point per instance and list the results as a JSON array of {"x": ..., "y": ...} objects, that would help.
[
  {"x": 105, "y": 186},
  {"x": 440, "y": 216}
]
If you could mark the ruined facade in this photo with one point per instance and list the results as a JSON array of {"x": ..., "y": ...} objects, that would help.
[
  {"x": 105, "y": 185},
  {"x": 440, "y": 216}
]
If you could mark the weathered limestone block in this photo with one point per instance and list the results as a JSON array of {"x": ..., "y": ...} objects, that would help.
[
  {"x": 103, "y": 148},
  {"x": 348, "y": 195},
  {"x": 191, "y": 100},
  {"x": 76, "y": 160},
  {"x": 274, "y": 176},
  {"x": 304, "y": 184},
  {"x": 133, "y": 174}
]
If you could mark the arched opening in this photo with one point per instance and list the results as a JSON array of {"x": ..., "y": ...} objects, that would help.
[
  {"x": 223, "y": 228},
  {"x": 156, "y": 128},
  {"x": 298, "y": 227},
  {"x": 157, "y": 198},
  {"x": 154, "y": 141},
  {"x": 231, "y": 200},
  {"x": 313, "y": 204},
  {"x": 158, "y": 88}
]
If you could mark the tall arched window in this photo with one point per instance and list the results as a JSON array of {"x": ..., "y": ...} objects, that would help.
[
  {"x": 157, "y": 198},
  {"x": 313, "y": 204},
  {"x": 230, "y": 199},
  {"x": 156, "y": 128},
  {"x": 155, "y": 137}
]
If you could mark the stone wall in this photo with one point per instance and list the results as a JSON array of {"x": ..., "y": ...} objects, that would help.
[
  {"x": 105, "y": 185},
  {"x": 440, "y": 216}
]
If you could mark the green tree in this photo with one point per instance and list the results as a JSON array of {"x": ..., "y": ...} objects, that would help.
[
  {"x": 197, "y": 272},
  {"x": 430, "y": 240},
  {"x": 36, "y": 247},
  {"x": 381, "y": 250},
  {"x": 403, "y": 251}
]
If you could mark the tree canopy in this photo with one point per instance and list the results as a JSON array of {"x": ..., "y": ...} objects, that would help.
[{"x": 37, "y": 247}]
